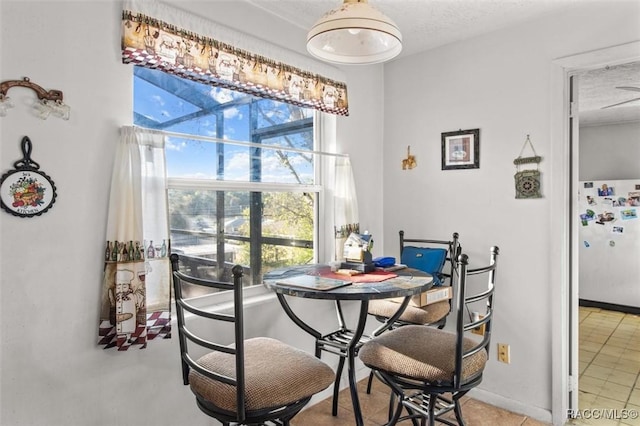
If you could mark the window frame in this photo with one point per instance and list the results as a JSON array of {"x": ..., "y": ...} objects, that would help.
[
  {"x": 214, "y": 185},
  {"x": 323, "y": 125},
  {"x": 322, "y": 228}
]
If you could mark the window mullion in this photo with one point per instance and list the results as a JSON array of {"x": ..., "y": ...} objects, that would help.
[
  {"x": 220, "y": 213},
  {"x": 255, "y": 216}
]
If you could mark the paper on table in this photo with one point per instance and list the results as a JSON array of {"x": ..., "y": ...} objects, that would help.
[{"x": 313, "y": 282}]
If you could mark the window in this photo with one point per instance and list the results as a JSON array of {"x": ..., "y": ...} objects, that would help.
[{"x": 243, "y": 188}]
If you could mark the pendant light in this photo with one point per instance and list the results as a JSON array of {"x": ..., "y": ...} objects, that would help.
[{"x": 354, "y": 33}]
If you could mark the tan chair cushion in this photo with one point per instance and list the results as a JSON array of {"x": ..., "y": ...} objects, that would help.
[
  {"x": 422, "y": 353},
  {"x": 276, "y": 374},
  {"x": 415, "y": 315}
]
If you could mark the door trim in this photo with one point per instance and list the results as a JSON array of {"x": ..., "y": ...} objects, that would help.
[{"x": 562, "y": 266}]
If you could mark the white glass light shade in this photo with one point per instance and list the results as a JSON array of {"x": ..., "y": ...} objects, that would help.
[{"x": 354, "y": 33}]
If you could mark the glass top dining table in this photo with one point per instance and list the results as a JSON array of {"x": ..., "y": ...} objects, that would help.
[{"x": 345, "y": 341}]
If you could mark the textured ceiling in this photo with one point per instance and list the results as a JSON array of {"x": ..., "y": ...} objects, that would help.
[
  {"x": 600, "y": 88},
  {"x": 428, "y": 24}
]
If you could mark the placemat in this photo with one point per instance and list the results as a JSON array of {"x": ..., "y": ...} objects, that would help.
[{"x": 370, "y": 277}]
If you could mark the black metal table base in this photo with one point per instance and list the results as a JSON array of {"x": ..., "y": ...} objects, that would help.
[{"x": 345, "y": 343}]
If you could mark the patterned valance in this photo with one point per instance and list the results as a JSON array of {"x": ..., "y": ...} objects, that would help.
[{"x": 152, "y": 43}]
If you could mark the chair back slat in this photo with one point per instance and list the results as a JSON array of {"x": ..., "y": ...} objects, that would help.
[
  {"x": 220, "y": 285},
  {"x": 202, "y": 313},
  {"x": 205, "y": 372},
  {"x": 207, "y": 343}
]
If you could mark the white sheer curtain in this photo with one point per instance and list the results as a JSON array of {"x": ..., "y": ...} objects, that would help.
[
  {"x": 136, "y": 285},
  {"x": 346, "y": 218},
  {"x": 339, "y": 200}
]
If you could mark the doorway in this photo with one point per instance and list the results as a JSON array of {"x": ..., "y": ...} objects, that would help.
[
  {"x": 563, "y": 253},
  {"x": 609, "y": 331}
]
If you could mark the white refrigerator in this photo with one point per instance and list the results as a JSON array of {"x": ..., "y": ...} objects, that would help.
[{"x": 609, "y": 232}]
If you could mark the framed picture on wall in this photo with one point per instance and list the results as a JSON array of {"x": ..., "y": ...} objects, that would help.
[{"x": 461, "y": 149}]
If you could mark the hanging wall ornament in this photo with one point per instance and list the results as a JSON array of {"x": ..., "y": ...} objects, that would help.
[
  {"x": 26, "y": 191},
  {"x": 528, "y": 180}
]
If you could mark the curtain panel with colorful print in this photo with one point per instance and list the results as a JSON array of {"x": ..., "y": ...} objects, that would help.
[
  {"x": 152, "y": 43},
  {"x": 137, "y": 274}
]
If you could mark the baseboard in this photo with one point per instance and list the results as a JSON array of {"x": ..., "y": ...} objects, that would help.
[
  {"x": 610, "y": 306},
  {"x": 499, "y": 401}
]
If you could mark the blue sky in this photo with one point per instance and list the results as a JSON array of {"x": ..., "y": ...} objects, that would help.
[{"x": 198, "y": 159}]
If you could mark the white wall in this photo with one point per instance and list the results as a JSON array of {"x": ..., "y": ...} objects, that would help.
[
  {"x": 52, "y": 371},
  {"x": 500, "y": 83},
  {"x": 610, "y": 151}
]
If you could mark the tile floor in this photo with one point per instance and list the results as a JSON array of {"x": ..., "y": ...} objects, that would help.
[
  {"x": 609, "y": 357},
  {"x": 375, "y": 406}
]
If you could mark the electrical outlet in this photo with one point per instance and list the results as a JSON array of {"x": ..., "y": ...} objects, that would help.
[{"x": 504, "y": 354}]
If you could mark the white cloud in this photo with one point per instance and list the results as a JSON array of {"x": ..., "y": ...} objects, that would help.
[
  {"x": 158, "y": 99},
  {"x": 232, "y": 113},
  {"x": 222, "y": 96},
  {"x": 237, "y": 168},
  {"x": 172, "y": 145}
]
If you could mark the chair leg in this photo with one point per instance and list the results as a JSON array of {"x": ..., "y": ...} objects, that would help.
[
  {"x": 370, "y": 382},
  {"x": 391, "y": 397},
  {"x": 394, "y": 415},
  {"x": 428, "y": 407},
  {"x": 458, "y": 411},
  {"x": 336, "y": 386},
  {"x": 414, "y": 419},
  {"x": 432, "y": 408}
]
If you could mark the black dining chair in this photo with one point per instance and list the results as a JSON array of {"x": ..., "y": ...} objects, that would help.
[
  {"x": 421, "y": 364},
  {"x": 436, "y": 257},
  {"x": 241, "y": 381}
]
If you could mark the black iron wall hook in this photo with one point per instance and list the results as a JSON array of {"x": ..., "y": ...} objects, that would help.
[{"x": 26, "y": 163}]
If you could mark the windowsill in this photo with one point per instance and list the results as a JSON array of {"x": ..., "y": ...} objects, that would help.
[{"x": 252, "y": 296}]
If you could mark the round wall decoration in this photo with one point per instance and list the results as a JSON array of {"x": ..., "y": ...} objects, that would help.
[{"x": 26, "y": 191}]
